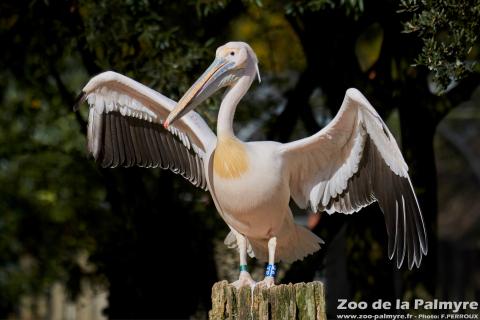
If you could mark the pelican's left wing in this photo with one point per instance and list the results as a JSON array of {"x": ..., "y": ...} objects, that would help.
[
  {"x": 353, "y": 162},
  {"x": 125, "y": 129}
]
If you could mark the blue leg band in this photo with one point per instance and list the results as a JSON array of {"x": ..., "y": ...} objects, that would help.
[
  {"x": 243, "y": 267},
  {"x": 270, "y": 270}
]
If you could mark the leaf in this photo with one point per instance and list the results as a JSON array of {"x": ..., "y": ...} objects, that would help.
[{"x": 368, "y": 46}]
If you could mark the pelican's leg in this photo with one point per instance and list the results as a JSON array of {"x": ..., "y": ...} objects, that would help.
[
  {"x": 269, "y": 280},
  {"x": 244, "y": 279}
]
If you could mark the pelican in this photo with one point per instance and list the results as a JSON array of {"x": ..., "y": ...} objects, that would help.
[{"x": 344, "y": 167}]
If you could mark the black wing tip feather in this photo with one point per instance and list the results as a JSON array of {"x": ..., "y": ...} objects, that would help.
[
  {"x": 78, "y": 101},
  {"x": 412, "y": 246},
  {"x": 407, "y": 236},
  {"x": 407, "y": 241},
  {"x": 128, "y": 142}
]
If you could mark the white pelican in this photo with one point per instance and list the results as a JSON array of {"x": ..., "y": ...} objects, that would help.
[{"x": 349, "y": 164}]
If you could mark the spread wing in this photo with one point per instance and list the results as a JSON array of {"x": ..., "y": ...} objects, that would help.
[
  {"x": 353, "y": 162},
  {"x": 125, "y": 129}
]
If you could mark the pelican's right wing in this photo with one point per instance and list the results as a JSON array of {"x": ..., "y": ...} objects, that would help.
[{"x": 125, "y": 129}]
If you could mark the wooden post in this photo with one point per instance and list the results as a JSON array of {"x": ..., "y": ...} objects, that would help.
[{"x": 302, "y": 301}]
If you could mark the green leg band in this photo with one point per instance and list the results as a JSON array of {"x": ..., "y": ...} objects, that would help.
[{"x": 243, "y": 267}]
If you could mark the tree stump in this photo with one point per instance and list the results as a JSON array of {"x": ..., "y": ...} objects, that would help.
[{"x": 303, "y": 301}]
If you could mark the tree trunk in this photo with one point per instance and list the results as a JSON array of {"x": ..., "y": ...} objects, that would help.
[{"x": 292, "y": 301}]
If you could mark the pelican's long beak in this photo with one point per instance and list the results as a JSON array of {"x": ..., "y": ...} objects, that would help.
[{"x": 203, "y": 88}]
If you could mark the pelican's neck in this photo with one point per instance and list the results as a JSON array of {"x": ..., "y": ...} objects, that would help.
[{"x": 229, "y": 104}]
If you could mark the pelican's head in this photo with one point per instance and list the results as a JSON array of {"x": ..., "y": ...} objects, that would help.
[{"x": 233, "y": 61}]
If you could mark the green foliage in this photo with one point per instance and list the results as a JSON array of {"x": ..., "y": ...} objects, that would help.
[
  {"x": 449, "y": 30},
  {"x": 147, "y": 41},
  {"x": 53, "y": 199},
  {"x": 351, "y": 7},
  {"x": 48, "y": 192}
]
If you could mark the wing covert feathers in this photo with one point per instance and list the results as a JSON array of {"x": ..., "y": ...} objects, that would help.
[{"x": 353, "y": 162}]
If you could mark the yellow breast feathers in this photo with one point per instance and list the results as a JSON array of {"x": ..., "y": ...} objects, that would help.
[{"x": 230, "y": 160}]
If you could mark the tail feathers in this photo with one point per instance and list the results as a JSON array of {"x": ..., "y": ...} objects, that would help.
[
  {"x": 300, "y": 245},
  {"x": 296, "y": 245},
  {"x": 231, "y": 242}
]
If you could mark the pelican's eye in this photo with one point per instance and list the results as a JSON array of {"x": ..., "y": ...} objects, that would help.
[{"x": 232, "y": 53}]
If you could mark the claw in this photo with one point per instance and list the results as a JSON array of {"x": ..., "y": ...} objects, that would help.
[
  {"x": 268, "y": 282},
  {"x": 244, "y": 280}
]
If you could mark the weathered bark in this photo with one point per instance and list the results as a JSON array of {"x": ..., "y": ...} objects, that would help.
[{"x": 292, "y": 301}]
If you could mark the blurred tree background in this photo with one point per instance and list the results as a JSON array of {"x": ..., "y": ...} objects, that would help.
[{"x": 145, "y": 233}]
